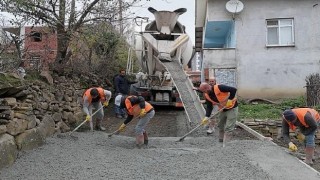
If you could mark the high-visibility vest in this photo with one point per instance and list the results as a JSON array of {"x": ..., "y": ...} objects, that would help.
[
  {"x": 89, "y": 97},
  {"x": 135, "y": 109},
  {"x": 221, "y": 96},
  {"x": 300, "y": 113}
]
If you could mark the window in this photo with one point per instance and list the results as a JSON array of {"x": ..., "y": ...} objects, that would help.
[
  {"x": 35, "y": 36},
  {"x": 34, "y": 62},
  {"x": 280, "y": 32}
]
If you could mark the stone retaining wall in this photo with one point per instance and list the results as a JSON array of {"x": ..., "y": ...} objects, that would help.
[
  {"x": 271, "y": 128},
  {"x": 33, "y": 111}
]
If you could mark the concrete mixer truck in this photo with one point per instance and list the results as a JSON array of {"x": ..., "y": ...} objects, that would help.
[{"x": 164, "y": 41}]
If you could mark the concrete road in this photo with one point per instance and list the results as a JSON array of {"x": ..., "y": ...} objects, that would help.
[{"x": 95, "y": 156}]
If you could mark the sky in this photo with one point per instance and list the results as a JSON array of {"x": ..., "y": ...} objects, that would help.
[
  {"x": 141, "y": 9},
  {"x": 187, "y": 19}
]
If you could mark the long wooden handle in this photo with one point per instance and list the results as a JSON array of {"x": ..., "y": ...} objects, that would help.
[
  {"x": 84, "y": 121},
  {"x": 182, "y": 138},
  {"x": 117, "y": 131}
]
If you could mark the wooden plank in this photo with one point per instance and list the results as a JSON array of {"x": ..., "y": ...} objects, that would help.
[{"x": 251, "y": 131}]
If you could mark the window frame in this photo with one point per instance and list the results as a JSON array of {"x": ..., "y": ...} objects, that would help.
[
  {"x": 36, "y": 36},
  {"x": 279, "y": 26},
  {"x": 35, "y": 62}
]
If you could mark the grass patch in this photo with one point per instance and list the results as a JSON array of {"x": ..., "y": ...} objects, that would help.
[
  {"x": 268, "y": 111},
  {"x": 6, "y": 80},
  {"x": 259, "y": 111}
]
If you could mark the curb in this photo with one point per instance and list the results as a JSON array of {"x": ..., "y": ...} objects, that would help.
[{"x": 263, "y": 138}]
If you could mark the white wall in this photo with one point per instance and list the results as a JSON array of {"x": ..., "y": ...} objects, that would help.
[{"x": 276, "y": 72}]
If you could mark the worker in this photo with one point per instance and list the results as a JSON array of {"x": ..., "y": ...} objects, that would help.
[
  {"x": 211, "y": 126},
  {"x": 212, "y": 122},
  {"x": 93, "y": 98},
  {"x": 308, "y": 121},
  {"x": 224, "y": 97},
  {"x": 121, "y": 83},
  {"x": 122, "y": 87},
  {"x": 136, "y": 107},
  {"x": 120, "y": 112}
]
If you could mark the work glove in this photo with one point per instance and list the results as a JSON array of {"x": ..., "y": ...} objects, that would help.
[
  {"x": 106, "y": 103},
  {"x": 229, "y": 103},
  {"x": 292, "y": 147},
  {"x": 122, "y": 128},
  {"x": 142, "y": 112},
  {"x": 88, "y": 118},
  {"x": 205, "y": 121},
  {"x": 301, "y": 137}
]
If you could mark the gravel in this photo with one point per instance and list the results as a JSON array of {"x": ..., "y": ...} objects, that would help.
[
  {"x": 95, "y": 156},
  {"x": 180, "y": 79}
]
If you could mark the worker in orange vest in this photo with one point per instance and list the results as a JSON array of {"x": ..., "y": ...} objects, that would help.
[
  {"x": 93, "y": 98},
  {"x": 137, "y": 107},
  {"x": 225, "y": 98},
  {"x": 210, "y": 126},
  {"x": 308, "y": 121}
]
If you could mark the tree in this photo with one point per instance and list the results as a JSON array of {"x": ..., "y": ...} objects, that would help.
[
  {"x": 99, "y": 49},
  {"x": 10, "y": 45},
  {"x": 66, "y": 16}
]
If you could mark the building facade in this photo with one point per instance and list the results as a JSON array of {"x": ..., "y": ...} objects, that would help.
[
  {"x": 38, "y": 46},
  {"x": 265, "y": 48}
]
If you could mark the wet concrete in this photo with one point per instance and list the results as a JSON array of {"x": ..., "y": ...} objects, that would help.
[{"x": 95, "y": 156}]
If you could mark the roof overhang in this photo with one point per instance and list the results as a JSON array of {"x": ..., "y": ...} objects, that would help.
[{"x": 200, "y": 12}]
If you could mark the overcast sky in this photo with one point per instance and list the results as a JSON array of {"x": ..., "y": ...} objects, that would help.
[{"x": 187, "y": 19}]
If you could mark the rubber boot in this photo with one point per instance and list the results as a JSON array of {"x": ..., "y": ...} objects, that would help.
[
  {"x": 145, "y": 137},
  {"x": 221, "y": 135},
  {"x": 99, "y": 127},
  {"x": 226, "y": 138},
  {"x": 211, "y": 128},
  {"x": 309, "y": 155},
  {"x": 316, "y": 155},
  {"x": 91, "y": 125},
  {"x": 139, "y": 141}
]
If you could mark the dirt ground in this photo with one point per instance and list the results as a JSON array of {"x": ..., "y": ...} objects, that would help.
[{"x": 171, "y": 122}]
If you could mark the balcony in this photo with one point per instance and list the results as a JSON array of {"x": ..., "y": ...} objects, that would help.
[{"x": 220, "y": 58}]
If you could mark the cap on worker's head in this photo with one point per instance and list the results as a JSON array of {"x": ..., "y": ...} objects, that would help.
[
  {"x": 94, "y": 92},
  {"x": 289, "y": 115}
]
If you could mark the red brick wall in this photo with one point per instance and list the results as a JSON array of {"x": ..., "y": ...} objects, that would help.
[
  {"x": 206, "y": 74},
  {"x": 46, "y": 49}
]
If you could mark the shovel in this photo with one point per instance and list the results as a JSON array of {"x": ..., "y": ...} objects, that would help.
[
  {"x": 182, "y": 138},
  {"x": 117, "y": 131},
  {"x": 75, "y": 137}
]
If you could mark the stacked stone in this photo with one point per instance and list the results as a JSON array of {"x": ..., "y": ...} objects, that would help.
[
  {"x": 31, "y": 112},
  {"x": 271, "y": 128}
]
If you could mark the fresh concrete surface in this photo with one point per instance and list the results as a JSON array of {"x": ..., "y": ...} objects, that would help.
[{"x": 95, "y": 156}]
